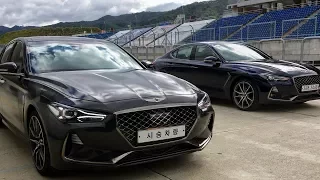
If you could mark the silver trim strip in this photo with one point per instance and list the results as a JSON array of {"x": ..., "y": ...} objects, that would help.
[
  {"x": 229, "y": 77},
  {"x": 205, "y": 142},
  {"x": 114, "y": 160},
  {"x": 117, "y": 159},
  {"x": 283, "y": 100},
  {"x": 144, "y": 108}
]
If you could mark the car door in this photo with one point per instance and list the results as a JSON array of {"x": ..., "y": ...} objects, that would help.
[
  {"x": 209, "y": 77},
  {"x": 12, "y": 88},
  {"x": 4, "y": 58},
  {"x": 177, "y": 64}
]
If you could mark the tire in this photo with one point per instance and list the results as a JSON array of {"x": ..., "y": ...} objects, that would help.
[
  {"x": 245, "y": 95},
  {"x": 39, "y": 146}
]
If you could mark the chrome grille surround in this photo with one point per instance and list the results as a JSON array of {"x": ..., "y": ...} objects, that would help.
[
  {"x": 129, "y": 123},
  {"x": 299, "y": 81}
]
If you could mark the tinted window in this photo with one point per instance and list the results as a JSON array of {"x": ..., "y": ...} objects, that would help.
[
  {"x": 237, "y": 52},
  {"x": 72, "y": 56},
  {"x": 202, "y": 52},
  {"x": 184, "y": 52},
  {"x": 7, "y": 53},
  {"x": 174, "y": 54},
  {"x": 1, "y": 54},
  {"x": 17, "y": 56}
]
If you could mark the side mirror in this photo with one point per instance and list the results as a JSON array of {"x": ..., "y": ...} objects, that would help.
[
  {"x": 8, "y": 67},
  {"x": 147, "y": 64},
  {"x": 212, "y": 60}
]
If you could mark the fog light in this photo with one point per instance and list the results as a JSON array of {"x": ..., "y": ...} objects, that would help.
[
  {"x": 275, "y": 89},
  {"x": 76, "y": 140}
]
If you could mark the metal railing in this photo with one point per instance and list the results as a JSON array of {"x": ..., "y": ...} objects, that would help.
[
  {"x": 296, "y": 50},
  {"x": 226, "y": 31},
  {"x": 300, "y": 27},
  {"x": 292, "y": 48}
]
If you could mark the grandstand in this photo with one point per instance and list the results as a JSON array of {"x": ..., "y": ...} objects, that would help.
[
  {"x": 129, "y": 37},
  {"x": 222, "y": 28},
  {"x": 180, "y": 33},
  {"x": 153, "y": 37},
  {"x": 276, "y": 21},
  {"x": 114, "y": 38},
  {"x": 96, "y": 35},
  {"x": 244, "y": 20}
]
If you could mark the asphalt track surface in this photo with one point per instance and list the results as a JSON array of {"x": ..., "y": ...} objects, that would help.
[{"x": 276, "y": 142}]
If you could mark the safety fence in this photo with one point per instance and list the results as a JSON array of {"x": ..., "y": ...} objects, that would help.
[{"x": 296, "y": 50}]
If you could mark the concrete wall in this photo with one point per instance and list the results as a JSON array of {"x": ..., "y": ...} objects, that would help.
[
  {"x": 291, "y": 49},
  {"x": 150, "y": 53}
]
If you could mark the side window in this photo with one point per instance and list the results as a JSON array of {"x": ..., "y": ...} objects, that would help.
[
  {"x": 184, "y": 52},
  {"x": 2, "y": 51},
  {"x": 174, "y": 53},
  {"x": 7, "y": 53},
  {"x": 17, "y": 56},
  {"x": 202, "y": 52}
]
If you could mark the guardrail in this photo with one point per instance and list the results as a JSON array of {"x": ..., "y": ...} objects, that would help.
[{"x": 286, "y": 49}]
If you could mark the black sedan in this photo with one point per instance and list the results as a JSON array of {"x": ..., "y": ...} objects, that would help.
[
  {"x": 241, "y": 73},
  {"x": 84, "y": 102}
]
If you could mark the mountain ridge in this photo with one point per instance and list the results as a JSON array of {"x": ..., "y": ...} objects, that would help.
[
  {"x": 199, "y": 10},
  {"x": 204, "y": 9}
]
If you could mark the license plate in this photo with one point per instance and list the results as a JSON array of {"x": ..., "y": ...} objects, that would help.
[
  {"x": 312, "y": 87},
  {"x": 159, "y": 134}
]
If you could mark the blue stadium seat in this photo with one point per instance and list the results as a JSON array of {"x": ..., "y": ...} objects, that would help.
[
  {"x": 218, "y": 31},
  {"x": 99, "y": 35},
  {"x": 270, "y": 24}
]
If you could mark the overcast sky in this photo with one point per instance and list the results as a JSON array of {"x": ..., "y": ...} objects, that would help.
[{"x": 45, "y": 12}]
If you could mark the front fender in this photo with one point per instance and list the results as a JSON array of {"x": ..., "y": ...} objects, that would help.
[{"x": 262, "y": 84}]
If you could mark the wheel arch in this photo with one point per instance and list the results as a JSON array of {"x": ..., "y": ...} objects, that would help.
[
  {"x": 236, "y": 79},
  {"x": 30, "y": 108},
  {"x": 232, "y": 82}
]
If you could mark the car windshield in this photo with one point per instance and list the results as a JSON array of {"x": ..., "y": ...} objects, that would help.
[
  {"x": 71, "y": 56},
  {"x": 237, "y": 52}
]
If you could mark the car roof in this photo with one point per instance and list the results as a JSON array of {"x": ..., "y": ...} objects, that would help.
[
  {"x": 220, "y": 42},
  {"x": 58, "y": 38}
]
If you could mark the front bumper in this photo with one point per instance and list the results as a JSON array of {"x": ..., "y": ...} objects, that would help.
[
  {"x": 102, "y": 144},
  {"x": 286, "y": 94}
]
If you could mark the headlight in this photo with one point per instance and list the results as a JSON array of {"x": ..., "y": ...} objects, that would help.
[
  {"x": 205, "y": 102},
  {"x": 271, "y": 77},
  {"x": 74, "y": 115}
]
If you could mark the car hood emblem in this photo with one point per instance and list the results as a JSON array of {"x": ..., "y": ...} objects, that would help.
[{"x": 155, "y": 99}]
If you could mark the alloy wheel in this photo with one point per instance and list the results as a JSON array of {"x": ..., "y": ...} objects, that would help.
[
  {"x": 243, "y": 95},
  {"x": 37, "y": 140}
]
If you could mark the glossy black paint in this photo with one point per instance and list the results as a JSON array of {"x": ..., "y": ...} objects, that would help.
[
  {"x": 103, "y": 91},
  {"x": 8, "y": 67},
  {"x": 218, "y": 78}
]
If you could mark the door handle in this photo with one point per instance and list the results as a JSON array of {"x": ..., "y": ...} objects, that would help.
[
  {"x": 2, "y": 81},
  {"x": 194, "y": 67}
]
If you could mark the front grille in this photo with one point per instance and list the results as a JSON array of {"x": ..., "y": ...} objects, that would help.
[
  {"x": 130, "y": 123},
  {"x": 306, "y": 80}
]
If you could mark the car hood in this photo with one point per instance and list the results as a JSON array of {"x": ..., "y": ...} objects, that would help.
[
  {"x": 277, "y": 67},
  {"x": 116, "y": 85}
]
